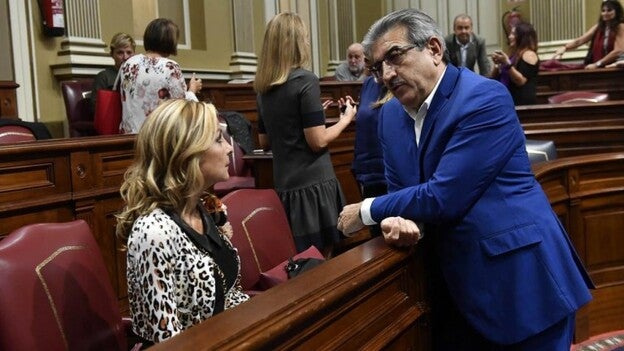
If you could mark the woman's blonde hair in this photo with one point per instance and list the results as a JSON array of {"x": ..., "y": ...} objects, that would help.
[
  {"x": 286, "y": 46},
  {"x": 166, "y": 169},
  {"x": 121, "y": 40}
]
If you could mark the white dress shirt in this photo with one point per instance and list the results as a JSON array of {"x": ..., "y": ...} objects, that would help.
[{"x": 419, "y": 118}]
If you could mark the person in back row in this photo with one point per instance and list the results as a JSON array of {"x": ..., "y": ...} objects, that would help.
[
  {"x": 353, "y": 68},
  {"x": 122, "y": 47},
  {"x": 606, "y": 38},
  {"x": 147, "y": 79},
  {"x": 518, "y": 70},
  {"x": 465, "y": 48},
  {"x": 368, "y": 163}
]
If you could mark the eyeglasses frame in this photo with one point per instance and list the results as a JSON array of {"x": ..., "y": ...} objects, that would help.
[{"x": 376, "y": 69}]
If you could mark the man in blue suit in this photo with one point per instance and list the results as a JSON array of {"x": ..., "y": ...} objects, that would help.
[{"x": 502, "y": 273}]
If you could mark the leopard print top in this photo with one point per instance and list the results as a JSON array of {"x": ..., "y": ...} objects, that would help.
[{"x": 171, "y": 284}]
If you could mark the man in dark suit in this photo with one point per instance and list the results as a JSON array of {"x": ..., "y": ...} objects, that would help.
[
  {"x": 466, "y": 48},
  {"x": 502, "y": 272}
]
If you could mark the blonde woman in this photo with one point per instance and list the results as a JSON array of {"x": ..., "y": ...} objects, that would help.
[
  {"x": 292, "y": 124},
  {"x": 122, "y": 47},
  {"x": 182, "y": 268}
]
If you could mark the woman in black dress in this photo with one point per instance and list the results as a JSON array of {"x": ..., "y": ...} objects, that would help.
[
  {"x": 291, "y": 122},
  {"x": 518, "y": 70}
]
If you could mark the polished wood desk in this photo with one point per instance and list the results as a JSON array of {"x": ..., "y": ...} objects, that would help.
[
  {"x": 576, "y": 129},
  {"x": 604, "y": 80},
  {"x": 369, "y": 298},
  {"x": 587, "y": 193}
]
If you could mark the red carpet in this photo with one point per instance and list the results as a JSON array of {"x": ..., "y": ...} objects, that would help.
[{"x": 613, "y": 341}]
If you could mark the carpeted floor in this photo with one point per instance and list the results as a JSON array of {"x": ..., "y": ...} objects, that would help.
[{"x": 613, "y": 341}]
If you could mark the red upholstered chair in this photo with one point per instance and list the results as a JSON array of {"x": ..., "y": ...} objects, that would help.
[
  {"x": 55, "y": 292},
  {"x": 14, "y": 134},
  {"x": 240, "y": 170},
  {"x": 577, "y": 97},
  {"x": 261, "y": 232},
  {"x": 77, "y": 106}
]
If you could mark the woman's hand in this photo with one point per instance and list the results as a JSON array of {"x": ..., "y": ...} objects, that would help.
[
  {"x": 501, "y": 58},
  {"x": 195, "y": 84},
  {"x": 327, "y": 103},
  {"x": 559, "y": 53},
  {"x": 348, "y": 108}
]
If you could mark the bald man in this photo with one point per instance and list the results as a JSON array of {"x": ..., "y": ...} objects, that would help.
[{"x": 353, "y": 68}]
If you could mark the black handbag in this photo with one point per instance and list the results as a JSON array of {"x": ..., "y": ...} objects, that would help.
[{"x": 295, "y": 267}]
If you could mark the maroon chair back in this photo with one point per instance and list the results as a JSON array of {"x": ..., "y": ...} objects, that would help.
[
  {"x": 55, "y": 292},
  {"x": 15, "y": 134},
  {"x": 240, "y": 171},
  {"x": 578, "y": 97},
  {"x": 261, "y": 232},
  {"x": 77, "y": 107}
]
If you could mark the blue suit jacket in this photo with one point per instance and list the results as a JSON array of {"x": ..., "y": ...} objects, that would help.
[{"x": 506, "y": 259}]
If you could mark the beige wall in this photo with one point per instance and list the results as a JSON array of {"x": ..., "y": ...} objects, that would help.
[
  {"x": 366, "y": 13},
  {"x": 50, "y": 107},
  {"x": 212, "y": 30},
  {"x": 6, "y": 68}
]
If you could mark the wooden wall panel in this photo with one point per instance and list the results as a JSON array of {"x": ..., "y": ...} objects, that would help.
[{"x": 594, "y": 206}]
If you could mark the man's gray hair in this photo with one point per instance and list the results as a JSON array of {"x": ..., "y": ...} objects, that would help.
[{"x": 420, "y": 27}]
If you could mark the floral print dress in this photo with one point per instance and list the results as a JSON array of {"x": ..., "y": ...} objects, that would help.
[{"x": 145, "y": 82}]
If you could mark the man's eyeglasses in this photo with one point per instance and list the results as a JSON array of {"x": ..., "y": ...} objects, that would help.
[{"x": 393, "y": 57}]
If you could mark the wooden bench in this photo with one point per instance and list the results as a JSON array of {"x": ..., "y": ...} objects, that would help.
[
  {"x": 576, "y": 129},
  {"x": 604, "y": 80}
]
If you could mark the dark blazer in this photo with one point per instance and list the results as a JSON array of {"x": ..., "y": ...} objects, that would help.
[
  {"x": 507, "y": 261},
  {"x": 476, "y": 53}
]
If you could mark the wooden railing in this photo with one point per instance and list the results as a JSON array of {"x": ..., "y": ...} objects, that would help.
[{"x": 369, "y": 298}]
